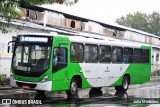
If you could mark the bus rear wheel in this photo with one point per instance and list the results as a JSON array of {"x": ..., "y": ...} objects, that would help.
[
  {"x": 124, "y": 86},
  {"x": 73, "y": 91}
]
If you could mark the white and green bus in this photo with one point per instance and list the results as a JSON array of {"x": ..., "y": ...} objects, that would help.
[{"x": 48, "y": 62}]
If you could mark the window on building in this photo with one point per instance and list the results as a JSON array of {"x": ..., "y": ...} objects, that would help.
[
  {"x": 128, "y": 55},
  {"x": 117, "y": 54},
  {"x": 73, "y": 24},
  {"x": 77, "y": 52},
  {"x": 104, "y": 54},
  {"x": 138, "y": 56},
  {"x": 91, "y": 53},
  {"x": 27, "y": 13},
  {"x": 157, "y": 56},
  {"x": 146, "y": 56}
]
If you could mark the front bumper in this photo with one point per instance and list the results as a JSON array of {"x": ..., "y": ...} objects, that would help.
[{"x": 45, "y": 86}]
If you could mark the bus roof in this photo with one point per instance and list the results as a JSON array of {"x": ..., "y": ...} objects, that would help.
[{"x": 92, "y": 40}]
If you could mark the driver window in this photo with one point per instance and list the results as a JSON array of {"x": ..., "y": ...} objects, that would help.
[{"x": 60, "y": 56}]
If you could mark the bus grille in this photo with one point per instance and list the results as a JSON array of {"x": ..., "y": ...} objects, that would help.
[{"x": 20, "y": 84}]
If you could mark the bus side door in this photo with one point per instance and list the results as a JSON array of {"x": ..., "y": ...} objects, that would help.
[{"x": 60, "y": 66}]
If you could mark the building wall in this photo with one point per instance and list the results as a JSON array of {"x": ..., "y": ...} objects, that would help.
[
  {"x": 134, "y": 36},
  {"x": 32, "y": 15},
  {"x": 53, "y": 18},
  {"x": 93, "y": 27},
  {"x": 5, "y": 58}
]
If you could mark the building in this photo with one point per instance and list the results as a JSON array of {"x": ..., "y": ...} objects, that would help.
[{"x": 43, "y": 20}]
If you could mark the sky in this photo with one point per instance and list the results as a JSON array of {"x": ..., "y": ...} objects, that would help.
[{"x": 108, "y": 10}]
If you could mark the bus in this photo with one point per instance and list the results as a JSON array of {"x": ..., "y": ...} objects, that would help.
[{"x": 52, "y": 62}]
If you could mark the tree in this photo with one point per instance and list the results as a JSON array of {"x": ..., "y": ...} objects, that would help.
[
  {"x": 136, "y": 20},
  {"x": 154, "y": 23},
  {"x": 9, "y": 9},
  {"x": 148, "y": 23}
]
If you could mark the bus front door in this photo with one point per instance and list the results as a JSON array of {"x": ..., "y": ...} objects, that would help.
[{"x": 60, "y": 67}]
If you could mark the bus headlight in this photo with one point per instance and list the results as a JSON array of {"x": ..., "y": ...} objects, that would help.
[
  {"x": 45, "y": 78},
  {"x": 11, "y": 76}
]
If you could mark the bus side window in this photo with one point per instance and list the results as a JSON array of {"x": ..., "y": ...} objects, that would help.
[
  {"x": 146, "y": 56},
  {"x": 104, "y": 54},
  {"x": 77, "y": 52},
  {"x": 91, "y": 53},
  {"x": 138, "y": 56},
  {"x": 128, "y": 55},
  {"x": 117, "y": 54}
]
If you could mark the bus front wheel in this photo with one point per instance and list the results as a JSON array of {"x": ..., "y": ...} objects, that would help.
[
  {"x": 40, "y": 95},
  {"x": 73, "y": 91},
  {"x": 124, "y": 86}
]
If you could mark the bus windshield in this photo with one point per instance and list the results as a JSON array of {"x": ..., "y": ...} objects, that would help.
[{"x": 31, "y": 57}]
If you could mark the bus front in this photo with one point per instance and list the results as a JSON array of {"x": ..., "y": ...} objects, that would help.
[{"x": 31, "y": 67}]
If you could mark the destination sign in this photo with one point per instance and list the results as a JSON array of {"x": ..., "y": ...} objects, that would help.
[{"x": 34, "y": 39}]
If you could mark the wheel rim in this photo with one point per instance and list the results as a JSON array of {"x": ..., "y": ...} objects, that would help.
[
  {"x": 125, "y": 84},
  {"x": 73, "y": 88}
]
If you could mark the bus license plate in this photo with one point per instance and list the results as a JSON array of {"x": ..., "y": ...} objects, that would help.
[{"x": 25, "y": 87}]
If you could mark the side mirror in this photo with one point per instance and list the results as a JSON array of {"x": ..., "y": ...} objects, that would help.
[{"x": 8, "y": 49}]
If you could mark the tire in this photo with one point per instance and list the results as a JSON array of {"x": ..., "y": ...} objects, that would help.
[
  {"x": 40, "y": 95},
  {"x": 124, "y": 86},
  {"x": 73, "y": 91},
  {"x": 95, "y": 92}
]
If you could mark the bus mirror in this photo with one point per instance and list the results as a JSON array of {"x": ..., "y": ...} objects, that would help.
[{"x": 8, "y": 49}]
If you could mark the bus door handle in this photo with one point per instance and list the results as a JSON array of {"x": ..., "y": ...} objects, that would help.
[
  {"x": 81, "y": 69},
  {"x": 121, "y": 68}
]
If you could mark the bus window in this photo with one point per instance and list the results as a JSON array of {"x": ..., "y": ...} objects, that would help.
[
  {"x": 138, "y": 56},
  {"x": 60, "y": 56},
  {"x": 128, "y": 55},
  {"x": 91, "y": 53},
  {"x": 77, "y": 52},
  {"x": 34, "y": 58},
  {"x": 146, "y": 56},
  {"x": 104, "y": 54},
  {"x": 117, "y": 54}
]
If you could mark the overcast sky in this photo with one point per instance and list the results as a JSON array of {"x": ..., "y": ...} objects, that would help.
[{"x": 109, "y": 10}]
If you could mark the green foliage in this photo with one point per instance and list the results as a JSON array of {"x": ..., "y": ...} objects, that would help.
[
  {"x": 4, "y": 80},
  {"x": 41, "y": 1},
  {"x": 141, "y": 21},
  {"x": 1, "y": 80},
  {"x": 154, "y": 23},
  {"x": 9, "y": 9},
  {"x": 155, "y": 73}
]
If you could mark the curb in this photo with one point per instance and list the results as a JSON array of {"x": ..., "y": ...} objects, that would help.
[
  {"x": 19, "y": 95},
  {"x": 155, "y": 78},
  {"x": 5, "y": 88},
  {"x": 8, "y": 88}
]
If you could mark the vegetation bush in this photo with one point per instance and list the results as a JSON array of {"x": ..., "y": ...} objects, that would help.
[
  {"x": 4, "y": 80},
  {"x": 156, "y": 73}
]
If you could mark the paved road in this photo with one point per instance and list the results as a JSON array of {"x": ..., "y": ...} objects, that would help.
[{"x": 147, "y": 94}]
